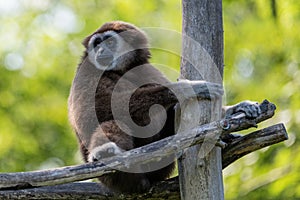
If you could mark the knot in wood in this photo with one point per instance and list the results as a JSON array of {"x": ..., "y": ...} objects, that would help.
[{"x": 225, "y": 124}]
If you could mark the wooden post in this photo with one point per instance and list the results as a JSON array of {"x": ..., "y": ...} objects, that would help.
[{"x": 200, "y": 168}]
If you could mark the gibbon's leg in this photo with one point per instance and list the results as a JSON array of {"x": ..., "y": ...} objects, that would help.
[
  {"x": 108, "y": 140},
  {"x": 83, "y": 148}
]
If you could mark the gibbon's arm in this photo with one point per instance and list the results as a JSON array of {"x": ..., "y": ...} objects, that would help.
[
  {"x": 167, "y": 95},
  {"x": 170, "y": 94}
]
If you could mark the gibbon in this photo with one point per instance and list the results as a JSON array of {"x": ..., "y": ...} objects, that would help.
[{"x": 117, "y": 93}]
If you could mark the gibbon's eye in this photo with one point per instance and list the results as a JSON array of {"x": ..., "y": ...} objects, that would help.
[
  {"x": 110, "y": 41},
  {"x": 97, "y": 41}
]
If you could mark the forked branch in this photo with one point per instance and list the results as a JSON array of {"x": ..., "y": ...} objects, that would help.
[{"x": 244, "y": 145}]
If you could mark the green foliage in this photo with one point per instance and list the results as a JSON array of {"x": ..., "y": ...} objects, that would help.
[
  {"x": 40, "y": 48},
  {"x": 262, "y": 61}
]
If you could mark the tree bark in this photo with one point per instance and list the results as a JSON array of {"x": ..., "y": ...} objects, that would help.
[{"x": 200, "y": 168}]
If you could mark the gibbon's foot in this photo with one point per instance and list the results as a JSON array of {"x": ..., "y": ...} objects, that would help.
[
  {"x": 106, "y": 150},
  {"x": 250, "y": 108}
]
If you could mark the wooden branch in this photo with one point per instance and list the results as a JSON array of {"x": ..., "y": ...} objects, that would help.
[
  {"x": 251, "y": 142},
  {"x": 143, "y": 155},
  {"x": 82, "y": 190},
  {"x": 169, "y": 188},
  {"x": 241, "y": 146}
]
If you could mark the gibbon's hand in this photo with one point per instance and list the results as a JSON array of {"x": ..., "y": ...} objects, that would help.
[{"x": 250, "y": 108}]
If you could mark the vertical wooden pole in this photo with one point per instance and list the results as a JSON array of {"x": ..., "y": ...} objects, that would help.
[{"x": 200, "y": 167}]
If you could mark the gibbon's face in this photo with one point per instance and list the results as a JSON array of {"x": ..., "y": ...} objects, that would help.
[{"x": 108, "y": 50}]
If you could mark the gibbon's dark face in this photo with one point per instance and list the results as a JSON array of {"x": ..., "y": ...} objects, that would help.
[
  {"x": 117, "y": 46},
  {"x": 106, "y": 50}
]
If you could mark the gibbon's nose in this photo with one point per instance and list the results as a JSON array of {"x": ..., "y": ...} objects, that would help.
[{"x": 104, "y": 57}]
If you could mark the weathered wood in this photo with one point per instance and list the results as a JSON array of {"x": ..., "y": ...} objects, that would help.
[
  {"x": 199, "y": 168},
  {"x": 82, "y": 190},
  {"x": 163, "y": 190},
  {"x": 251, "y": 142},
  {"x": 168, "y": 189},
  {"x": 143, "y": 155}
]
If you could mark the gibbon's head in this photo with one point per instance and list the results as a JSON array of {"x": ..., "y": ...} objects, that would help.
[{"x": 117, "y": 46}]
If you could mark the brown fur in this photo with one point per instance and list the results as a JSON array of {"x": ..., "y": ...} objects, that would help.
[{"x": 90, "y": 93}]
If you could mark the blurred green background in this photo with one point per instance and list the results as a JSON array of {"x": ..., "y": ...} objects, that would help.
[{"x": 40, "y": 46}]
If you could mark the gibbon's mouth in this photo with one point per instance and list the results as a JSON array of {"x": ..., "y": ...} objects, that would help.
[{"x": 104, "y": 60}]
